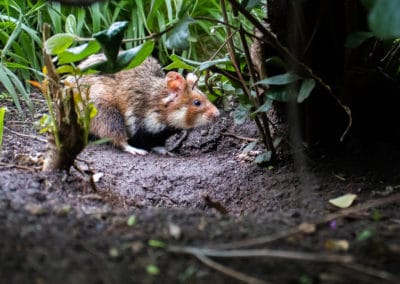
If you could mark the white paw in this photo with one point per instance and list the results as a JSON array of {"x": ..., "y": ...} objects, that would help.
[{"x": 133, "y": 150}]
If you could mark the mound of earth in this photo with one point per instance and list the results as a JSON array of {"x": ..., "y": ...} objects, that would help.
[{"x": 206, "y": 214}]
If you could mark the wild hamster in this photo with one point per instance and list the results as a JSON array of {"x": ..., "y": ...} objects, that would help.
[{"x": 141, "y": 107}]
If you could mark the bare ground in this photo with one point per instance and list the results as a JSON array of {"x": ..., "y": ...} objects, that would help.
[{"x": 148, "y": 219}]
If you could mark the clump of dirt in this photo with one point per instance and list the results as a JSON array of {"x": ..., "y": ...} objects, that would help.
[{"x": 146, "y": 219}]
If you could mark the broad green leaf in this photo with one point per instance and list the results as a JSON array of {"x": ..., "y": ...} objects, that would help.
[
  {"x": 280, "y": 94},
  {"x": 154, "y": 9},
  {"x": 12, "y": 37},
  {"x": 306, "y": 88},
  {"x": 263, "y": 158},
  {"x": 264, "y": 107},
  {"x": 177, "y": 38},
  {"x": 241, "y": 113},
  {"x": 110, "y": 40},
  {"x": 58, "y": 43},
  {"x": 357, "y": 38},
  {"x": 384, "y": 19},
  {"x": 65, "y": 69},
  {"x": 277, "y": 141},
  {"x": 70, "y": 24},
  {"x": 282, "y": 79},
  {"x": 249, "y": 147},
  {"x": 142, "y": 53},
  {"x": 79, "y": 52},
  {"x": 207, "y": 64},
  {"x": 343, "y": 201}
]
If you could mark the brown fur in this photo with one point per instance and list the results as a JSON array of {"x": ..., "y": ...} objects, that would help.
[{"x": 144, "y": 98}]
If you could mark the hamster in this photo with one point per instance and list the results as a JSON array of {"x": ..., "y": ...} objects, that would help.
[{"x": 138, "y": 109}]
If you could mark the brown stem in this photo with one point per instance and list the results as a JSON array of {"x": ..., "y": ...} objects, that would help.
[
  {"x": 268, "y": 138},
  {"x": 235, "y": 64}
]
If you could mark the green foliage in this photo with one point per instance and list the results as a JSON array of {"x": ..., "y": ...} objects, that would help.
[{"x": 384, "y": 19}]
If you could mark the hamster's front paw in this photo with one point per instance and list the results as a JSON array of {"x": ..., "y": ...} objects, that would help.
[{"x": 134, "y": 151}]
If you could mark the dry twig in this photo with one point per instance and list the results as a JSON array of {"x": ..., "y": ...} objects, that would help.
[
  {"x": 25, "y": 135},
  {"x": 228, "y": 271},
  {"x": 296, "y": 230}
]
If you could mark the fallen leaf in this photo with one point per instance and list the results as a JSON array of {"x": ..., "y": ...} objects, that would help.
[
  {"x": 97, "y": 176},
  {"x": 175, "y": 231},
  {"x": 35, "y": 209},
  {"x": 337, "y": 245},
  {"x": 307, "y": 228},
  {"x": 343, "y": 201}
]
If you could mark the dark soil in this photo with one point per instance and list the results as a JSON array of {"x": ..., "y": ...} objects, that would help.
[{"x": 134, "y": 224}]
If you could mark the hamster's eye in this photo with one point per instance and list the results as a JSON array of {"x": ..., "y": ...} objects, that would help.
[{"x": 197, "y": 103}]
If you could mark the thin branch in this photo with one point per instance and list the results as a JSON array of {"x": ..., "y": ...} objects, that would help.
[
  {"x": 239, "y": 137},
  {"x": 372, "y": 272},
  {"x": 151, "y": 36},
  {"x": 235, "y": 64},
  {"x": 228, "y": 271},
  {"x": 6, "y": 165},
  {"x": 269, "y": 38},
  {"x": 25, "y": 135},
  {"x": 248, "y": 253}
]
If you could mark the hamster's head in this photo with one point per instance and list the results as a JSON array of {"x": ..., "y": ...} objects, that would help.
[{"x": 187, "y": 107}]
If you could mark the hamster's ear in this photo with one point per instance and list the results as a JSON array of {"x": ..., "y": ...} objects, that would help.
[
  {"x": 191, "y": 80},
  {"x": 175, "y": 82}
]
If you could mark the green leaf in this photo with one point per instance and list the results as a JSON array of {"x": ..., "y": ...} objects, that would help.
[
  {"x": 343, "y": 201},
  {"x": 154, "y": 9},
  {"x": 180, "y": 63},
  {"x": 92, "y": 111},
  {"x": 306, "y": 88},
  {"x": 58, "y": 43},
  {"x": 357, "y": 38},
  {"x": 207, "y": 64},
  {"x": 156, "y": 244},
  {"x": 365, "y": 235},
  {"x": 177, "y": 38},
  {"x": 70, "y": 24},
  {"x": 140, "y": 52},
  {"x": 241, "y": 113},
  {"x": 282, "y": 79},
  {"x": 131, "y": 220},
  {"x": 110, "y": 41},
  {"x": 263, "y": 158},
  {"x": 280, "y": 94},
  {"x": 2, "y": 112},
  {"x": 65, "y": 69},
  {"x": 79, "y": 52},
  {"x": 152, "y": 269},
  {"x": 277, "y": 141},
  {"x": 384, "y": 19},
  {"x": 249, "y": 147},
  {"x": 264, "y": 108},
  {"x": 250, "y": 4}
]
